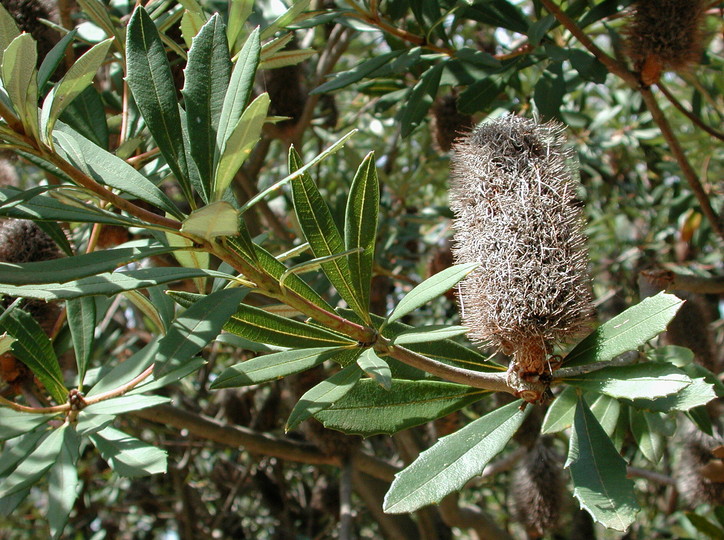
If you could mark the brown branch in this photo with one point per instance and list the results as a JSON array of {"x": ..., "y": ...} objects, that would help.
[
  {"x": 637, "y": 472},
  {"x": 674, "y": 281},
  {"x": 464, "y": 516},
  {"x": 690, "y": 115}
]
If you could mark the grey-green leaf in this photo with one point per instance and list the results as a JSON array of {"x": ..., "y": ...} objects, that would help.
[
  {"x": 599, "y": 473},
  {"x": 127, "y": 455},
  {"x": 14, "y": 423},
  {"x": 648, "y": 380},
  {"x": 627, "y": 331},
  {"x": 368, "y": 409},
  {"x": 63, "y": 483},
  {"x": 32, "y": 468},
  {"x": 360, "y": 226},
  {"x": 427, "y": 334},
  {"x": 324, "y": 395},
  {"x": 453, "y": 460},
  {"x": 430, "y": 288},
  {"x": 272, "y": 366},
  {"x": 81, "y": 313},
  {"x": 124, "y": 404},
  {"x": 375, "y": 367}
]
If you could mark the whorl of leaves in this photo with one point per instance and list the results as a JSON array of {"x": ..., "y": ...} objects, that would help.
[
  {"x": 537, "y": 489},
  {"x": 512, "y": 190},
  {"x": 447, "y": 123},
  {"x": 665, "y": 35}
]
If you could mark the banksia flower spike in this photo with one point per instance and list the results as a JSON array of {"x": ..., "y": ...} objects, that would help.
[
  {"x": 447, "y": 123},
  {"x": 665, "y": 35},
  {"x": 512, "y": 190}
]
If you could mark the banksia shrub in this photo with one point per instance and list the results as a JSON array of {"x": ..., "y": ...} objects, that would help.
[
  {"x": 512, "y": 190},
  {"x": 665, "y": 35},
  {"x": 447, "y": 123},
  {"x": 537, "y": 489}
]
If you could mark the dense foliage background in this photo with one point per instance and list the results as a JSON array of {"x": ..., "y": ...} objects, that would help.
[{"x": 408, "y": 77}]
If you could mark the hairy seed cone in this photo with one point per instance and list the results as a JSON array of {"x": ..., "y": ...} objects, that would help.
[
  {"x": 537, "y": 489},
  {"x": 447, "y": 123},
  {"x": 512, "y": 190},
  {"x": 695, "y": 474},
  {"x": 665, "y": 35}
]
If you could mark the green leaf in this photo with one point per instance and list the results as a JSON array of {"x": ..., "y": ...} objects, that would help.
[
  {"x": 428, "y": 333},
  {"x": 115, "y": 376},
  {"x": 34, "y": 349},
  {"x": 76, "y": 79},
  {"x": 53, "y": 59},
  {"x": 599, "y": 473},
  {"x": 698, "y": 393},
  {"x": 606, "y": 410},
  {"x": 124, "y": 404},
  {"x": 206, "y": 78},
  {"x": 19, "y": 449},
  {"x": 345, "y": 78},
  {"x": 6, "y": 342},
  {"x": 324, "y": 394},
  {"x": 196, "y": 327},
  {"x": 560, "y": 413},
  {"x": 19, "y": 78},
  {"x": 453, "y": 460},
  {"x": 261, "y": 326},
  {"x": 239, "y": 11},
  {"x": 270, "y": 367},
  {"x": 32, "y": 468},
  {"x": 360, "y": 226},
  {"x": 431, "y": 288},
  {"x": 108, "y": 284},
  {"x": 14, "y": 423},
  {"x": 286, "y": 18},
  {"x": 127, "y": 455},
  {"x": 549, "y": 91},
  {"x": 648, "y": 430},
  {"x": 479, "y": 95},
  {"x": 239, "y": 89},
  {"x": 627, "y": 331},
  {"x": 321, "y": 232},
  {"x": 8, "y": 30},
  {"x": 154, "y": 383},
  {"x": 70, "y": 268},
  {"x": 213, "y": 220},
  {"x": 63, "y": 483},
  {"x": 376, "y": 368},
  {"x": 418, "y": 103},
  {"x": 704, "y": 526},
  {"x": 109, "y": 169},
  {"x": 368, "y": 409},
  {"x": 647, "y": 380},
  {"x": 238, "y": 146},
  {"x": 81, "y": 313},
  {"x": 87, "y": 116},
  {"x": 150, "y": 80}
]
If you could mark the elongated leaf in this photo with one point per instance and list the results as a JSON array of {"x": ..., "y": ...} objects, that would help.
[
  {"x": 81, "y": 313},
  {"x": 430, "y": 288},
  {"x": 53, "y": 58},
  {"x": 561, "y": 412},
  {"x": 599, "y": 473},
  {"x": 324, "y": 238},
  {"x": 360, "y": 226},
  {"x": 124, "y": 404},
  {"x": 698, "y": 393},
  {"x": 375, "y": 367},
  {"x": 6, "y": 343},
  {"x": 324, "y": 395},
  {"x": 368, "y": 409},
  {"x": 18, "y": 450},
  {"x": 606, "y": 410},
  {"x": 150, "y": 80},
  {"x": 30, "y": 470},
  {"x": 648, "y": 430},
  {"x": 63, "y": 482},
  {"x": 113, "y": 376},
  {"x": 77, "y": 78},
  {"x": 648, "y": 380},
  {"x": 270, "y": 367},
  {"x": 219, "y": 218},
  {"x": 127, "y": 455},
  {"x": 239, "y": 11},
  {"x": 286, "y": 18},
  {"x": 107, "y": 284},
  {"x": 262, "y": 326},
  {"x": 70, "y": 268},
  {"x": 626, "y": 331},
  {"x": 241, "y": 141},
  {"x": 87, "y": 116},
  {"x": 345, "y": 78},
  {"x": 196, "y": 327},
  {"x": 14, "y": 423},
  {"x": 415, "y": 108},
  {"x": 108, "y": 169},
  {"x": 20, "y": 80},
  {"x": 429, "y": 333},
  {"x": 34, "y": 349},
  {"x": 8, "y": 30},
  {"x": 239, "y": 89},
  {"x": 206, "y": 78},
  {"x": 453, "y": 460}
]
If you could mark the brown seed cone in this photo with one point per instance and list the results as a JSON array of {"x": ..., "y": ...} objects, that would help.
[
  {"x": 537, "y": 489},
  {"x": 665, "y": 35},
  {"x": 447, "y": 123},
  {"x": 695, "y": 459},
  {"x": 512, "y": 190}
]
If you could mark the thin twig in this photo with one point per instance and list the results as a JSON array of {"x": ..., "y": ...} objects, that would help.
[
  {"x": 637, "y": 472},
  {"x": 686, "y": 112}
]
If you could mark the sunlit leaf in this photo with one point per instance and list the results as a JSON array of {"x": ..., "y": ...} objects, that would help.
[
  {"x": 375, "y": 367},
  {"x": 81, "y": 313},
  {"x": 63, "y": 483},
  {"x": 32, "y": 468},
  {"x": 216, "y": 219},
  {"x": 127, "y": 455}
]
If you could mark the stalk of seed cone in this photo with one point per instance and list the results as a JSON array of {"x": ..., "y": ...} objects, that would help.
[
  {"x": 447, "y": 123},
  {"x": 537, "y": 489},
  {"x": 665, "y": 35},
  {"x": 512, "y": 190}
]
